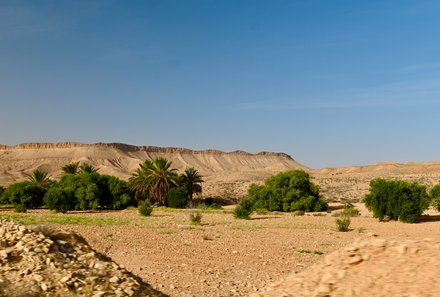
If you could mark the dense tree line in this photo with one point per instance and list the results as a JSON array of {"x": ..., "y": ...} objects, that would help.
[{"x": 81, "y": 188}]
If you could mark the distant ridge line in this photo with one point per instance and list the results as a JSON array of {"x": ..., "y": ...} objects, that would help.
[{"x": 134, "y": 148}]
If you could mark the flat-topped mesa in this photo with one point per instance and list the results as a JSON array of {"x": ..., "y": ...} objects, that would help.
[
  {"x": 134, "y": 148},
  {"x": 42, "y": 145}
]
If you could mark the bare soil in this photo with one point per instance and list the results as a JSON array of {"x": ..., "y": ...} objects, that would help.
[{"x": 225, "y": 256}]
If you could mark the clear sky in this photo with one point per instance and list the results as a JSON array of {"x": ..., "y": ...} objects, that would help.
[{"x": 332, "y": 83}]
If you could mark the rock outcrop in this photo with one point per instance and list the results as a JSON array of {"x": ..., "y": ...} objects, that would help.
[{"x": 34, "y": 263}]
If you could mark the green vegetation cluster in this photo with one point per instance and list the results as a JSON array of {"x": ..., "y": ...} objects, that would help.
[
  {"x": 397, "y": 200},
  {"x": 82, "y": 188},
  {"x": 287, "y": 191}
]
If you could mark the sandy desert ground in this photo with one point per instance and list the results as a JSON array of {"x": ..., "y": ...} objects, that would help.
[{"x": 223, "y": 256}]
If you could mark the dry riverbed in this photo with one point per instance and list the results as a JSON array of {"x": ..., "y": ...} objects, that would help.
[{"x": 222, "y": 256}]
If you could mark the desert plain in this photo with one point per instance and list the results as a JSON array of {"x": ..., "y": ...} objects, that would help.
[{"x": 222, "y": 256}]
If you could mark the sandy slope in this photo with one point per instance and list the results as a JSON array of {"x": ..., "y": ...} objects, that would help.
[{"x": 226, "y": 174}]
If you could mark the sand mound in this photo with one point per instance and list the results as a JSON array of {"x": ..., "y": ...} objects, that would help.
[
  {"x": 370, "y": 268},
  {"x": 61, "y": 264}
]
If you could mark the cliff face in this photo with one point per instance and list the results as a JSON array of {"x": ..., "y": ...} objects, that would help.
[{"x": 225, "y": 173}]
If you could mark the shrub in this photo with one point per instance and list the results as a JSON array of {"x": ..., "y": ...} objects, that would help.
[
  {"x": 116, "y": 193},
  {"x": 343, "y": 224},
  {"x": 60, "y": 199},
  {"x": 350, "y": 210},
  {"x": 262, "y": 211},
  {"x": 144, "y": 208},
  {"x": 88, "y": 191},
  {"x": 287, "y": 191},
  {"x": 24, "y": 195},
  {"x": 178, "y": 197},
  {"x": 399, "y": 200},
  {"x": 196, "y": 218},
  {"x": 435, "y": 196},
  {"x": 241, "y": 212},
  {"x": 215, "y": 206}
]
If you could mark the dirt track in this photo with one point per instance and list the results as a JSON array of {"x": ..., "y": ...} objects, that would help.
[{"x": 228, "y": 257}]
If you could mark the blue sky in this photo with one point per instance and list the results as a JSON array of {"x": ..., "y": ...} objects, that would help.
[{"x": 332, "y": 83}]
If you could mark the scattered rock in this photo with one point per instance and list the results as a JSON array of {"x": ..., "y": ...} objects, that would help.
[{"x": 60, "y": 264}]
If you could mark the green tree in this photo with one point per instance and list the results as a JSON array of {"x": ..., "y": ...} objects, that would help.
[
  {"x": 397, "y": 199},
  {"x": 87, "y": 168},
  {"x": 39, "y": 177},
  {"x": 24, "y": 195},
  {"x": 191, "y": 180},
  {"x": 153, "y": 179},
  {"x": 286, "y": 191},
  {"x": 162, "y": 178},
  {"x": 71, "y": 168},
  {"x": 139, "y": 182}
]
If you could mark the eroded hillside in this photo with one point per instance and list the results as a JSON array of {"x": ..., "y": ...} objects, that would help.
[{"x": 226, "y": 174}]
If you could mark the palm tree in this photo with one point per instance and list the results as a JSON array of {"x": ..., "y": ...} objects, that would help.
[
  {"x": 87, "y": 168},
  {"x": 162, "y": 176},
  {"x": 71, "y": 168},
  {"x": 39, "y": 177},
  {"x": 139, "y": 181},
  {"x": 191, "y": 180},
  {"x": 154, "y": 178}
]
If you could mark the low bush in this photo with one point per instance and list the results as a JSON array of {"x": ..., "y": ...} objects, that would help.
[
  {"x": 241, "y": 212},
  {"x": 435, "y": 197},
  {"x": 196, "y": 218},
  {"x": 178, "y": 197},
  {"x": 262, "y": 211},
  {"x": 144, "y": 208},
  {"x": 343, "y": 224},
  {"x": 350, "y": 210},
  {"x": 396, "y": 199}
]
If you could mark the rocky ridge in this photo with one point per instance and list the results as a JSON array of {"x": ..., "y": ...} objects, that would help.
[{"x": 61, "y": 264}]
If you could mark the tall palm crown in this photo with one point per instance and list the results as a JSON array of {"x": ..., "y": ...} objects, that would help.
[
  {"x": 154, "y": 178},
  {"x": 139, "y": 181},
  {"x": 39, "y": 177},
  {"x": 71, "y": 168},
  {"x": 87, "y": 168},
  {"x": 191, "y": 180},
  {"x": 161, "y": 177}
]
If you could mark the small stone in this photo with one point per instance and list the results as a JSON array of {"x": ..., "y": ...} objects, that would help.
[
  {"x": 129, "y": 291},
  {"x": 38, "y": 277},
  {"x": 354, "y": 260},
  {"x": 323, "y": 290},
  {"x": 44, "y": 287},
  {"x": 64, "y": 279},
  {"x": 114, "y": 279},
  {"x": 99, "y": 266},
  {"x": 351, "y": 249},
  {"x": 401, "y": 249},
  {"x": 379, "y": 243}
]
